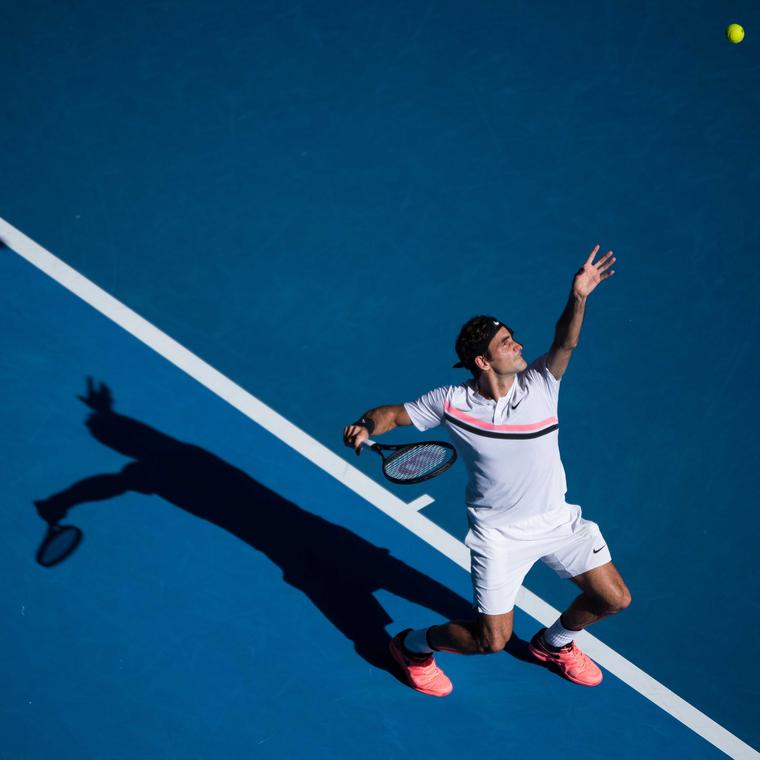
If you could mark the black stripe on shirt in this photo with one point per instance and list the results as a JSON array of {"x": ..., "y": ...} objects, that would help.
[{"x": 496, "y": 433}]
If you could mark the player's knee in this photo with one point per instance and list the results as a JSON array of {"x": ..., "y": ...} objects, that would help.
[
  {"x": 492, "y": 646},
  {"x": 492, "y": 642},
  {"x": 617, "y": 602}
]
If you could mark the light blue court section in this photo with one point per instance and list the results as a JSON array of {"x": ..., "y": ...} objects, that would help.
[{"x": 167, "y": 636}]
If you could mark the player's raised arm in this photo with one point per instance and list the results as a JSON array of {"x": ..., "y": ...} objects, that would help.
[
  {"x": 374, "y": 422},
  {"x": 568, "y": 330}
]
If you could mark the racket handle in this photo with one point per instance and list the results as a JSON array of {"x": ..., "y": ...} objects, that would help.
[{"x": 368, "y": 442}]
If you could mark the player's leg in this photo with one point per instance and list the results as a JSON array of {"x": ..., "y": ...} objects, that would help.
[
  {"x": 604, "y": 593},
  {"x": 580, "y": 554},
  {"x": 414, "y": 650},
  {"x": 495, "y": 581},
  {"x": 487, "y": 634},
  {"x": 497, "y": 572},
  {"x": 498, "y": 567}
]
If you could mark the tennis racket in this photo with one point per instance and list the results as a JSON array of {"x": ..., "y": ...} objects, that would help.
[
  {"x": 59, "y": 543},
  {"x": 414, "y": 462}
]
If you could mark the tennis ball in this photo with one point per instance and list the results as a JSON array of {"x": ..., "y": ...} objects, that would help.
[{"x": 735, "y": 33}]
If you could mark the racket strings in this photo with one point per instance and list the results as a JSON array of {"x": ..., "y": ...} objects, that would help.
[{"x": 417, "y": 461}]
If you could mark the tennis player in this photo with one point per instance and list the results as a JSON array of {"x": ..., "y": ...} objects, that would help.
[{"x": 504, "y": 425}]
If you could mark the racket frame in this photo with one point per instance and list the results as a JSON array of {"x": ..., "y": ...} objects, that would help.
[{"x": 398, "y": 449}]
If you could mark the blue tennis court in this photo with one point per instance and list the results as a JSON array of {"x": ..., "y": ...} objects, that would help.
[{"x": 251, "y": 225}]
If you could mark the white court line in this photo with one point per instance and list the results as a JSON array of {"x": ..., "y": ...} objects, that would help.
[
  {"x": 347, "y": 474},
  {"x": 420, "y": 502}
]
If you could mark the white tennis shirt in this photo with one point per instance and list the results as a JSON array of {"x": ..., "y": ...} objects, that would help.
[{"x": 510, "y": 447}]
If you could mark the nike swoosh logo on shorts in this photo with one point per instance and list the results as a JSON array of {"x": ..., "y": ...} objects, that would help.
[{"x": 596, "y": 551}]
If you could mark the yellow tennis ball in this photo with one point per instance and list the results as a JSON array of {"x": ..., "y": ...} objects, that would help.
[{"x": 735, "y": 33}]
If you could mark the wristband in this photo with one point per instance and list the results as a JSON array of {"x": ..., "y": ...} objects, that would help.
[{"x": 366, "y": 422}]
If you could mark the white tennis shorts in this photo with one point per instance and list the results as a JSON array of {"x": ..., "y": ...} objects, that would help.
[{"x": 501, "y": 557}]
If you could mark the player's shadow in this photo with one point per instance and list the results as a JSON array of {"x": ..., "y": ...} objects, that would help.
[{"x": 336, "y": 569}]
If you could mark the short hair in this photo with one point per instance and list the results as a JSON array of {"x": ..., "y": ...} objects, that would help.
[{"x": 473, "y": 340}]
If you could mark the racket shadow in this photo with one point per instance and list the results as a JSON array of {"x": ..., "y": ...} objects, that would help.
[{"x": 337, "y": 570}]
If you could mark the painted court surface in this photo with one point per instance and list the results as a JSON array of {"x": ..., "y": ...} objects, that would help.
[{"x": 311, "y": 200}]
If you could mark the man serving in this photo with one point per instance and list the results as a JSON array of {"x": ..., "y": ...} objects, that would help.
[{"x": 504, "y": 425}]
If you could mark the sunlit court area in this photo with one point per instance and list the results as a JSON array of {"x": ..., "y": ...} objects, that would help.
[{"x": 237, "y": 240}]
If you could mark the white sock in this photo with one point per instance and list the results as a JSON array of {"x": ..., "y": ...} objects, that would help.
[
  {"x": 416, "y": 641},
  {"x": 558, "y": 635}
]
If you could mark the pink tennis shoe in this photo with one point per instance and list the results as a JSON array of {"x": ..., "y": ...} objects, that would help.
[
  {"x": 422, "y": 673},
  {"x": 569, "y": 661}
]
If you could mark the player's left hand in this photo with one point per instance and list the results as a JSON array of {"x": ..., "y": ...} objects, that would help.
[{"x": 593, "y": 272}]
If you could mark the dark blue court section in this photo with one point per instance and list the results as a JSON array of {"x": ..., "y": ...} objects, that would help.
[
  {"x": 232, "y": 598},
  {"x": 313, "y": 197}
]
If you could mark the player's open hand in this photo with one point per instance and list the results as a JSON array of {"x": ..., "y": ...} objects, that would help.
[
  {"x": 354, "y": 435},
  {"x": 593, "y": 272}
]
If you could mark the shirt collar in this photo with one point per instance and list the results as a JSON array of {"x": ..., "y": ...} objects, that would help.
[{"x": 479, "y": 398}]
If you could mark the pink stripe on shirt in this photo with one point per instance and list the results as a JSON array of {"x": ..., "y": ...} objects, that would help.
[{"x": 488, "y": 426}]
